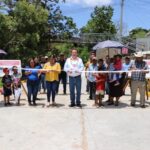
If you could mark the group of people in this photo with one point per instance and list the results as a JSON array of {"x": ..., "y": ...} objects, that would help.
[
  {"x": 47, "y": 73},
  {"x": 103, "y": 77},
  {"x": 112, "y": 75}
]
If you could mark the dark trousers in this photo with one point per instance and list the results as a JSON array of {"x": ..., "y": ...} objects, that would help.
[
  {"x": 92, "y": 90},
  {"x": 42, "y": 83},
  {"x": 87, "y": 86},
  {"x": 75, "y": 83},
  {"x": 51, "y": 90},
  {"x": 32, "y": 87},
  {"x": 63, "y": 78}
]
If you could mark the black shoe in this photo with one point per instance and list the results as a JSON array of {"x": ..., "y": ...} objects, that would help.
[
  {"x": 34, "y": 104},
  {"x": 29, "y": 103},
  {"x": 142, "y": 106},
  {"x": 116, "y": 103},
  {"x": 72, "y": 105},
  {"x": 5, "y": 104},
  {"x": 110, "y": 103},
  {"x": 9, "y": 103},
  {"x": 79, "y": 105},
  {"x": 133, "y": 105}
]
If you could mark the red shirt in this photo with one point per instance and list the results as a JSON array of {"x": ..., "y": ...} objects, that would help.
[
  {"x": 118, "y": 64},
  {"x": 101, "y": 84}
]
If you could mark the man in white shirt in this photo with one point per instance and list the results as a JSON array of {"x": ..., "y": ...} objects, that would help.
[{"x": 74, "y": 67}]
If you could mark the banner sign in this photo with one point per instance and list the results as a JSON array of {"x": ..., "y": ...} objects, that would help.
[{"x": 9, "y": 64}]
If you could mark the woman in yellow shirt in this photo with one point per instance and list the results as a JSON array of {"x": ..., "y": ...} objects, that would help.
[{"x": 51, "y": 76}]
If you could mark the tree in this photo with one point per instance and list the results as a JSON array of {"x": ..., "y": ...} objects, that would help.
[
  {"x": 100, "y": 21},
  {"x": 26, "y": 25},
  {"x": 29, "y": 25},
  {"x": 7, "y": 30},
  {"x": 138, "y": 33}
]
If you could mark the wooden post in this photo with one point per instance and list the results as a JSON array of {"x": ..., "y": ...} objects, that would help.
[{"x": 24, "y": 89}]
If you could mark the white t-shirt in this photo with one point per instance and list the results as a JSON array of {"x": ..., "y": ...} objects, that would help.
[{"x": 126, "y": 67}]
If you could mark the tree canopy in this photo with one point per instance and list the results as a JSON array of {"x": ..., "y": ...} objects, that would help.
[
  {"x": 28, "y": 26},
  {"x": 101, "y": 21},
  {"x": 138, "y": 33}
]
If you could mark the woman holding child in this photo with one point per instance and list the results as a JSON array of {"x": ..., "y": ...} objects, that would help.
[{"x": 116, "y": 83}]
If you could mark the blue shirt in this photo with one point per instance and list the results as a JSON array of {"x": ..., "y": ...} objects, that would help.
[
  {"x": 34, "y": 73},
  {"x": 111, "y": 67},
  {"x": 90, "y": 76},
  {"x": 126, "y": 67}
]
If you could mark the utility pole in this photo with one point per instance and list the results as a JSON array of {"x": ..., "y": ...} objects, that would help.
[{"x": 121, "y": 20}]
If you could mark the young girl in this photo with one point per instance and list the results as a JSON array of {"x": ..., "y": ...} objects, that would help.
[
  {"x": 100, "y": 86},
  {"x": 16, "y": 78},
  {"x": 7, "y": 81}
]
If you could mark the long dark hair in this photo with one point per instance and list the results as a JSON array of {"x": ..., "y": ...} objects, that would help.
[{"x": 29, "y": 60}]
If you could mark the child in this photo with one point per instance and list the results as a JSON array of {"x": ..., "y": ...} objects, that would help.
[
  {"x": 116, "y": 66},
  {"x": 7, "y": 81},
  {"x": 100, "y": 86},
  {"x": 111, "y": 68},
  {"x": 16, "y": 78}
]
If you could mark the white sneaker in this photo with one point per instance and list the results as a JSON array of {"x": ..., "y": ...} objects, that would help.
[{"x": 47, "y": 104}]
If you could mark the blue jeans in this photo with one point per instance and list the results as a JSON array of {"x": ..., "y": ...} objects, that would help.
[
  {"x": 75, "y": 83},
  {"x": 32, "y": 87},
  {"x": 51, "y": 89},
  {"x": 42, "y": 83},
  {"x": 92, "y": 90}
]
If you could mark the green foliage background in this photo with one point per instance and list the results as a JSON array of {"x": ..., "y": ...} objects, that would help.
[{"x": 28, "y": 28}]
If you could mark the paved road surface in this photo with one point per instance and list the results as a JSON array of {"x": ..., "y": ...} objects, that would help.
[{"x": 64, "y": 128}]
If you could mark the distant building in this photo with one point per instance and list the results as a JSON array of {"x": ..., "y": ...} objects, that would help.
[
  {"x": 148, "y": 34},
  {"x": 143, "y": 44}
]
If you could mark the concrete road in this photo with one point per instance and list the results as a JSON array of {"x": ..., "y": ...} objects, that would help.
[{"x": 63, "y": 128}]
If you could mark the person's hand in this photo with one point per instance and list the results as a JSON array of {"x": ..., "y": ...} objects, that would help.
[
  {"x": 70, "y": 72},
  {"x": 39, "y": 71},
  {"x": 48, "y": 71},
  {"x": 76, "y": 71},
  {"x": 145, "y": 71},
  {"x": 94, "y": 74},
  {"x": 54, "y": 71},
  {"x": 28, "y": 72},
  {"x": 133, "y": 68},
  {"x": 98, "y": 81}
]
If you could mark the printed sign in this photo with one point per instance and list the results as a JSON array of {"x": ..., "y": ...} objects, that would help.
[{"x": 9, "y": 64}]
